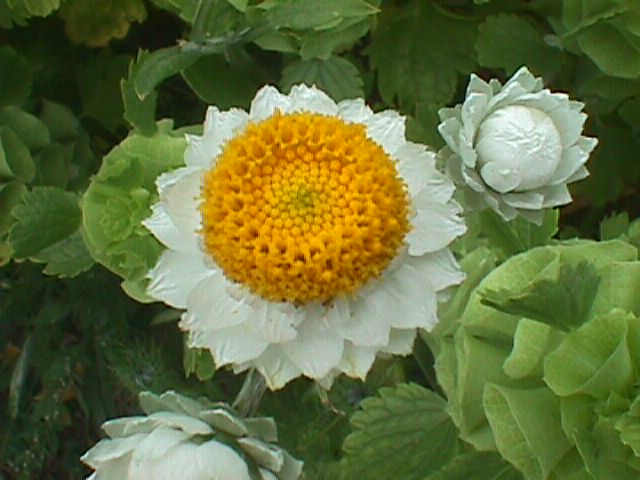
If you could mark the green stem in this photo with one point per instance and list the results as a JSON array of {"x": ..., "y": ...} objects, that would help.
[{"x": 248, "y": 399}]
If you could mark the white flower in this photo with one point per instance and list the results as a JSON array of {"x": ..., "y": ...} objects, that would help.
[
  {"x": 176, "y": 440},
  {"x": 515, "y": 147},
  {"x": 304, "y": 237}
]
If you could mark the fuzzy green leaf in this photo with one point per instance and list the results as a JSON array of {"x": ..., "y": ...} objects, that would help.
[
  {"x": 322, "y": 44},
  {"x": 419, "y": 54},
  {"x": 337, "y": 76},
  {"x": 46, "y": 216},
  {"x": 404, "y": 433},
  {"x": 510, "y": 41},
  {"x": 66, "y": 258}
]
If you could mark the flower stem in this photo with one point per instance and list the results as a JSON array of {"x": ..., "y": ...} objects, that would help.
[{"x": 248, "y": 399}]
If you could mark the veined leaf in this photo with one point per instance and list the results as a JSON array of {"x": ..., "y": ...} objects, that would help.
[{"x": 314, "y": 13}]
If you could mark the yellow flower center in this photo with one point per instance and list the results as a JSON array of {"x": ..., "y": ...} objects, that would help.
[{"x": 303, "y": 207}]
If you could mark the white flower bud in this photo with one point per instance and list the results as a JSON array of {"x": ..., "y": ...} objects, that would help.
[{"x": 514, "y": 148}]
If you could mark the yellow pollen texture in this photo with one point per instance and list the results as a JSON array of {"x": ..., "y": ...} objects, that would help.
[{"x": 303, "y": 208}]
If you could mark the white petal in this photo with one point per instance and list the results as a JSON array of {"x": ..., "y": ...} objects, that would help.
[
  {"x": 355, "y": 110},
  {"x": 161, "y": 226},
  {"x": 175, "y": 275},
  {"x": 317, "y": 348},
  {"x": 126, "y": 426},
  {"x": 187, "y": 424},
  {"x": 219, "y": 127},
  {"x": 157, "y": 443},
  {"x": 180, "y": 195},
  {"x": 387, "y": 130},
  {"x": 572, "y": 159},
  {"x": 113, "y": 470},
  {"x": 229, "y": 345},
  {"x": 310, "y": 99},
  {"x": 210, "y": 305},
  {"x": 556, "y": 195},
  {"x": 440, "y": 267},
  {"x": 274, "y": 323},
  {"x": 401, "y": 342},
  {"x": 416, "y": 166},
  {"x": 276, "y": 368},
  {"x": 366, "y": 325},
  {"x": 434, "y": 225},
  {"x": 450, "y": 130},
  {"x": 216, "y": 461},
  {"x": 267, "y": 101},
  {"x": 111, "y": 449},
  {"x": 531, "y": 200},
  {"x": 357, "y": 361}
]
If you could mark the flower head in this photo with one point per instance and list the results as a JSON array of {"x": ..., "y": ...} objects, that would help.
[
  {"x": 515, "y": 147},
  {"x": 183, "y": 439},
  {"x": 304, "y": 237}
]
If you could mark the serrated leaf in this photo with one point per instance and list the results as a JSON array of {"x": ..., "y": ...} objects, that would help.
[
  {"x": 315, "y": 13},
  {"x": 526, "y": 426},
  {"x": 61, "y": 122},
  {"x": 15, "y": 77},
  {"x": 477, "y": 466},
  {"x": 510, "y": 41},
  {"x": 324, "y": 43},
  {"x": 53, "y": 165},
  {"x": 614, "y": 226},
  {"x": 336, "y": 76},
  {"x": 140, "y": 114},
  {"x": 66, "y": 258},
  {"x": 613, "y": 49},
  {"x": 404, "y": 433},
  {"x": 46, "y": 216},
  {"x": 419, "y": 54},
  {"x": 563, "y": 302}
]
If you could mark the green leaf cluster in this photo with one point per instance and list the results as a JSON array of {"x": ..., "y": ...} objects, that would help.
[
  {"x": 19, "y": 11},
  {"x": 120, "y": 197},
  {"x": 542, "y": 365}
]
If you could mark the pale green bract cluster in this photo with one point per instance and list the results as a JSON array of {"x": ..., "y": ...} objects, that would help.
[
  {"x": 543, "y": 365},
  {"x": 514, "y": 148},
  {"x": 180, "y": 438}
]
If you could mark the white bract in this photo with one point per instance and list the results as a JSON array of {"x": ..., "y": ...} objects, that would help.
[
  {"x": 176, "y": 440},
  {"x": 515, "y": 147},
  {"x": 316, "y": 339}
]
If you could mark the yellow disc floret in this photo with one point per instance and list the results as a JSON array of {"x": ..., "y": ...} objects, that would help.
[{"x": 303, "y": 207}]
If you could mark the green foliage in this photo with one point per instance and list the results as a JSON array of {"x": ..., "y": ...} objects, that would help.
[
  {"x": 336, "y": 76},
  {"x": 95, "y": 24},
  {"x": 391, "y": 426},
  {"x": 542, "y": 396},
  {"x": 120, "y": 197},
  {"x": 15, "y": 77}
]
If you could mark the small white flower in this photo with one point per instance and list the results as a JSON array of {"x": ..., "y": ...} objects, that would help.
[
  {"x": 515, "y": 147},
  {"x": 181, "y": 439},
  {"x": 304, "y": 237}
]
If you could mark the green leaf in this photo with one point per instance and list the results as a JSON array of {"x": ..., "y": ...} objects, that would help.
[
  {"x": 31, "y": 130},
  {"x": 404, "y": 433},
  {"x": 46, "y": 216},
  {"x": 518, "y": 235},
  {"x": 15, "y": 159},
  {"x": 526, "y": 425},
  {"x": 322, "y": 44},
  {"x": 314, "y": 13},
  {"x": 419, "y": 54},
  {"x": 614, "y": 226},
  {"x": 564, "y": 301},
  {"x": 225, "y": 81},
  {"x": 66, "y": 258},
  {"x": 477, "y": 466},
  {"x": 99, "y": 85},
  {"x": 54, "y": 165},
  {"x": 95, "y": 24},
  {"x": 10, "y": 196},
  {"x": 141, "y": 114},
  {"x": 337, "y": 76},
  {"x": 199, "y": 362},
  {"x": 15, "y": 77},
  {"x": 510, "y": 41},
  {"x": 595, "y": 359}
]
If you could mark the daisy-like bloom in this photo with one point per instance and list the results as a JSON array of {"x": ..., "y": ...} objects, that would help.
[
  {"x": 183, "y": 439},
  {"x": 304, "y": 237},
  {"x": 515, "y": 147}
]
